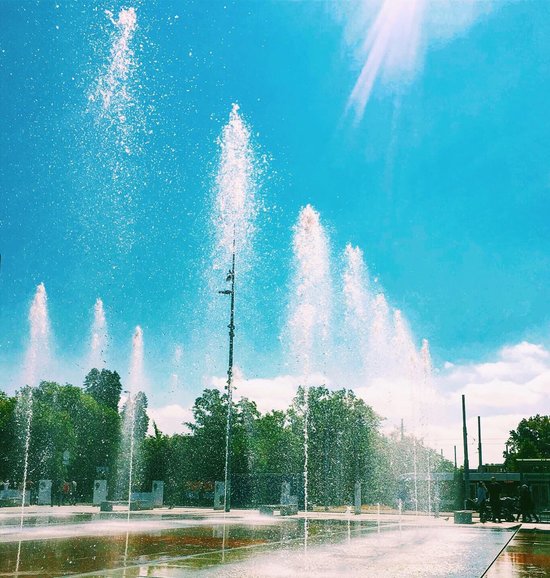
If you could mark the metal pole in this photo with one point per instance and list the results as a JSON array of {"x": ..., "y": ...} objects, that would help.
[
  {"x": 231, "y": 292},
  {"x": 479, "y": 449},
  {"x": 466, "y": 462}
]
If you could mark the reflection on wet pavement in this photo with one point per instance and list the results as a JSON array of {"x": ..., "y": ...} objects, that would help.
[{"x": 526, "y": 556}]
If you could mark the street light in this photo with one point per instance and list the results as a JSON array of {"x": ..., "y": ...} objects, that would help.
[{"x": 231, "y": 292}]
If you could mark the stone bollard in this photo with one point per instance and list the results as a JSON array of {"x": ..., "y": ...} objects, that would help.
[
  {"x": 219, "y": 495},
  {"x": 100, "y": 492},
  {"x": 44, "y": 493},
  {"x": 158, "y": 494},
  {"x": 463, "y": 517}
]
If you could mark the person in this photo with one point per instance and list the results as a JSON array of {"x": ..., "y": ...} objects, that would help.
[
  {"x": 526, "y": 505},
  {"x": 66, "y": 489},
  {"x": 481, "y": 499},
  {"x": 494, "y": 499},
  {"x": 523, "y": 504},
  {"x": 31, "y": 492},
  {"x": 73, "y": 493},
  {"x": 58, "y": 492}
]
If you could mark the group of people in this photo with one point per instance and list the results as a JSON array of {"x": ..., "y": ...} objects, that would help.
[
  {"x": 490, "y": 503},
  {"x": 65, "y": 493}
]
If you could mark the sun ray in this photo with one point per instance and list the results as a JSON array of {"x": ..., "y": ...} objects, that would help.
[{"x": 390, "y": 48}]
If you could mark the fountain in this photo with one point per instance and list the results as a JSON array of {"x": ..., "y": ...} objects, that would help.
[
  {"x": 380, "y": 340},
  {"x": 99, "y": 338},
  {"x": 176, "y": 366},
  {"x": 39, "y": 348},
  {"x": 309, "y": 313},
  {"x": 38, "y": 356},
  {"x": 130, "y": 451},
  {"x": 376, "y": 344},
  {"x": 358, "y": 302},
  {"x": 338, "y": 335}
]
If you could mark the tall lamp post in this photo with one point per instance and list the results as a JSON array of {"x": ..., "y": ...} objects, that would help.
[
  {"x": 466, "y": 461},
  {"x": 231, "y": 292}
]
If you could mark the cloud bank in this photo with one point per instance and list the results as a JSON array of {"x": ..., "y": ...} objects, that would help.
[{"x": 512, "y": 385}]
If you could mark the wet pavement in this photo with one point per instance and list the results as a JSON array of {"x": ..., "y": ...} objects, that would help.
[
  {"x": 526, "y": 556},
  {"x": 79, "y": 541}
]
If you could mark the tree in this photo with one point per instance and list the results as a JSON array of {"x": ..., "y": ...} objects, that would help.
[
  {"x": 245, "y": 414},
  {"x": 141, "y": 418},
  {"x": 7, "y": 438},
  {"x": 530, "y": 440},
  {"x": 104, "y": 386},
  {"x": 51, "y": 432},
  {"x": 208, "y": 430},
  {"x": 342, "y": 434},
  {"x": 63, "y": 419},
  {"x": 97, "y": 430},
  {"x": 135, "y": 423},
  {"x": 156, "y": 456},
  {"x": 277, "y": 447}
]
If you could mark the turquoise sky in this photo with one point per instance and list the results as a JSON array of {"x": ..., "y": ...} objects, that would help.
[{"x": 444, "y": 182}]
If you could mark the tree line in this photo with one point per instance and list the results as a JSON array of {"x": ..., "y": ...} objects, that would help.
[{"x": 77, "y": 433}]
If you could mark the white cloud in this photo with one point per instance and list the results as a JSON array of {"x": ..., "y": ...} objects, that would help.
[
  {"x": 170, "y": 418},
  {"x": 275, "y": 393},
  {"x": 504, "y": 390},
  {"x": 519, "y": 377},
  {"x": 497, "y": 393}
]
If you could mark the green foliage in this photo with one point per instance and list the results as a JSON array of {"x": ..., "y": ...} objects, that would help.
[
  {"x": 277, "y": 446},
  {"x": 135, "y": 423},
  {"x": 530, "y": 440},
  {"x": 344, "y": 444},
  {"x": 342, "y": 434},
  {"x": 7, "y": 437},
  {"x": 167, "y": 458},
  {"x": 104, "y": 386},
  {"x": 209, "y": 431},
  {"x": 63, "y": 418}
]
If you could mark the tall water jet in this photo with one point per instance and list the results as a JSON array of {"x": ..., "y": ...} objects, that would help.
[
  {"x": 426, "y": 393},
  {"x": 24, "y": 414},
  {"x": 310, "y": 310},
  {"x": 38, "y": 352},
  {"x": 407, "y": 370},
  {"x": 115, "y": 141},
  {"x": 232, "y": 228},
  {"x": 37, "y": 356},
  {"x": 129, "y": 450},
  {"x": 407, "y": 363},
  {"x": 311, "y": 295},
  {"x": 99, "y": 337},
  {"x": 426, "y": 399},
  {"x": 113, "y": 89},
  {"x": 235, "y": 205},
  {"x": 135, "y": 374},
  {"x": 380, "y": 338},
  {"x": 358, "y": 313},
  {"x": 406, "y": 356},
  {"x": 176, "y": 367}
]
